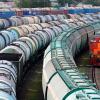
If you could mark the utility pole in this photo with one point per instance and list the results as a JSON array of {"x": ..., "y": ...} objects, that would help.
[
  {"x": 30, "y": 3},
  {"x": 20, "y": 3}
]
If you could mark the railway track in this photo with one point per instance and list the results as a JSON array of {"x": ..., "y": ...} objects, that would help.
[
  {"x": 96, "y": 76},
  {"x": 92, "y": 72}
]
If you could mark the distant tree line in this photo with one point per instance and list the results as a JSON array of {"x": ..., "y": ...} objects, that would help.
[
  {"x": 33, "y": 3},
  {"x": 46, "y": 3},
  {"x": 93, "y": 2}
]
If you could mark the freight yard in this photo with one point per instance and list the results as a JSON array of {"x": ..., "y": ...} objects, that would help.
[{"x": 49, "y": 50}]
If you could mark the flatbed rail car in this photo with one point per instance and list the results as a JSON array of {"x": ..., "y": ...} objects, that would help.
[{"x": 94, "y": 48}]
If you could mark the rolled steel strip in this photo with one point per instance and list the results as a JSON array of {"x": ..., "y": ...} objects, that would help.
[
  {"x": 44, "y": 36},
  {"x": 31, "y": 20},
  {"x": 34, "y": 27},
  {"x": 45, "y": 25},
  {"x": 9, "y": 67},
  {"x": 55, "y": 30},
  {"x": 36, "y": 19},
  {"x": 30, "y": 29},
  {"x": 37, "y": 40},
  {"x": 54, "y": 17},
  {"x": 25, "y": 30},
  {"x": 25, "y": 20},
  {"x": 1, "y": 24},
  {"x": 50, "y": 33},
  {"x": 42, "y": 19},
  {"x": 18, "y": 30},
  {"x": 10, "y": 24},
  {"x": 8, "y": 78},
  {"x": 48, "y": 18},
  {"x": 6, "y": 23},
  {"x": 6, "y": 73},
  {"x": 6, "y": 38},
  {"x": 64, "y": 27},
  {"x": 28, "y": 42},
  {"x": 4, "y": 96},
  {"x": 48, "y": 36},
  {"x": 13, "y": 23},
  {"x": 7, "y": 87},
  {"x": 12, "y": 36},
  {"x": 3, "y": 41},
  {"x": 39, "y": 27}
]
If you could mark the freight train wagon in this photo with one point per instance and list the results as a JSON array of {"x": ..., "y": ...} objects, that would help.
[{"x": 94, "y": 47}]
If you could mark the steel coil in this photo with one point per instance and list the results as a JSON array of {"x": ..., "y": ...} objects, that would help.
[
  {"x": 42, "y": 19},
  {"x": 37, "y": 40},
  {"x": 36, "y": 19},
  {"x": 45, "y": 25},
  {"x": 29, "y": 42},
  {"x": 38, "y": 26}
]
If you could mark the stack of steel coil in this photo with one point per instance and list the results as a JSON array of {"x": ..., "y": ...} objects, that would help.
[
  {"x": 17, "y": 21},
  {"x": 28, "y": 46},
  {"x": 59, "y": 56},
  {"x": 61, "y": 78}
]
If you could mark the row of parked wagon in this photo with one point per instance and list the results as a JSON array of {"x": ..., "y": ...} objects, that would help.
[
  {"x": 17, "y": 21},
  {"x": 61, "y": 79},
  {"x": 7, "y": 13},
  {"x": 13, "y": 33},
  {"x": 32, "y": 37}
]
